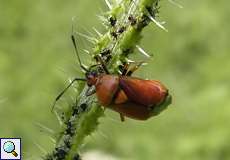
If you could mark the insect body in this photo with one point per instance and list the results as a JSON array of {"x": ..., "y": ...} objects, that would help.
[{"x": 129, "y": 96}]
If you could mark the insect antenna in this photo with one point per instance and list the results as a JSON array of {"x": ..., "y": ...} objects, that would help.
[{"x": 76, "y": 51}]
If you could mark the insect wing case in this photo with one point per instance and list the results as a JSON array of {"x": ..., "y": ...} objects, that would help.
[
  {"x": 145, "y": 92},
  {"x": 149, "y": 93}
]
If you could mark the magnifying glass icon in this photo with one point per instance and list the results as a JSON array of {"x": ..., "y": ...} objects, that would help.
[{"x": 9, "y": 147}]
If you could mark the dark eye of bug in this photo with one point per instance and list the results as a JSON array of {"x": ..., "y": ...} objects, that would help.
[{"x": 94, "y": 73}]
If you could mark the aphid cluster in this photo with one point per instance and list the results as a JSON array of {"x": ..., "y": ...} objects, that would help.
[
  {"x": 117, "y": 32},
  {"x": 61, "y": 151},
  {"x": 117, "y": 29}
]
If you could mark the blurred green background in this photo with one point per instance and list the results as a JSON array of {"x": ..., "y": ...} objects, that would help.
[{"x": 192, "y": 59}]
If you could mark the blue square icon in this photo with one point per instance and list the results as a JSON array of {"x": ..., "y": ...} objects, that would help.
[{"x": 10, "y": 148}]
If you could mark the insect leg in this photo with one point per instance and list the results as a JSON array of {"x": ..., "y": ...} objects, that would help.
[
  {"x": 128, "y": 71},
  {"x": 134, "y": 68},
  {"x": 64, "y": 90},
  {"x": 125, "y": 69},
  {"x": 122, "y": 117},
  {"x": 103, "y": 64}
]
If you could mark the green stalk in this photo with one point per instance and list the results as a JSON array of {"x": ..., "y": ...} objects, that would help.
[{"x": 121, "y": 38}]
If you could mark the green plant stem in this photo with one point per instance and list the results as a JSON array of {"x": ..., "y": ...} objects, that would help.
[{"x": 83, "y": 116}]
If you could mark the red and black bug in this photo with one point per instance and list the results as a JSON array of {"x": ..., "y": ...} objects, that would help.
[{"x": 129, "y": 96}]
